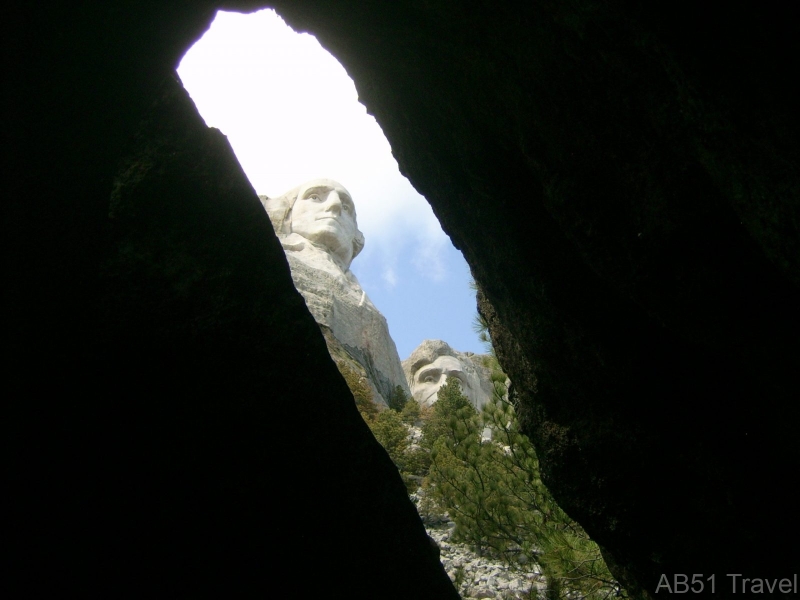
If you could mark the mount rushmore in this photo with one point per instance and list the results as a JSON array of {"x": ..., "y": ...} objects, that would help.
[{"x": 317, "y": 226}]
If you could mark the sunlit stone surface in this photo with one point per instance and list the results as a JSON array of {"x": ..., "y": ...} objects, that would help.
[
  {"x": 433, "y": 361},
  {"x": 317, "y": 227}
]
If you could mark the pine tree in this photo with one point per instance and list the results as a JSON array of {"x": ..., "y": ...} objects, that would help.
[
  {"x": 389, "y": 429},
  {"x": 398, "y": 399},
  {"x": 411, "y": 412},
  {"x": 451, "y": 404},
  {"x": 362, "y": 394},
  {"x": 493, "y": 492}
]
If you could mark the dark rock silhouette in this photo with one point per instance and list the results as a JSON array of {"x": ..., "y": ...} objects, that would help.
[{"x": 623, "y": 180}]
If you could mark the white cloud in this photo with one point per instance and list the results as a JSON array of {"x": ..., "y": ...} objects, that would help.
[
  {"x": 390, "y": 277},
  {"x": 429, "y": 261}
]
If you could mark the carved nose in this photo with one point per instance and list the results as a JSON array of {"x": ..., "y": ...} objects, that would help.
[{"x": 333, "y": 203}]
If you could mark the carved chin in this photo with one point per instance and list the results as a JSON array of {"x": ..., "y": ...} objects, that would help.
[{"x": 332, "y": 239}]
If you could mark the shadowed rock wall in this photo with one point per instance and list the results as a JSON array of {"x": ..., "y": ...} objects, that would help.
[
  {"x": 622, "y": 178},
  {"x": 185, "y": 431}
]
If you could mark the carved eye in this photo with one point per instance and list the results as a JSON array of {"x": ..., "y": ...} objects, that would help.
[
  {"x": 430, "y": 376},
  {"x": 314, "y": 197}
]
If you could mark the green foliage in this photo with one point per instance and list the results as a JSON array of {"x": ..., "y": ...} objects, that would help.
[
  {"x": 416, "y": 462},
  {"x": 492, "y": 491},
  {"x": 392, "y": 433},
  {"x": 498, "y": 378},
  {"x": 451, "y": 405},
  {"x": 362, "y": 394},
  {"x": 398, "y": 399},
  {"x": 391, "y": 427},
  {"x": 481, "y": 326},
  {"x": 411, "y": 412},
  {"x": 460, "y": 576}
]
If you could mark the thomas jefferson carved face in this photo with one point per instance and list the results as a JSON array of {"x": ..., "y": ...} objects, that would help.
[
  {"x": 433, "y": 361},
  {"x": 431, "y": 376},
  {"x": 324, "y": 213}
]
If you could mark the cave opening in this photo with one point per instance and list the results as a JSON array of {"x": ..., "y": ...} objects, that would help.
[
  {"x": 292, "y": 114},
  {"x": 669, "y": 358}
]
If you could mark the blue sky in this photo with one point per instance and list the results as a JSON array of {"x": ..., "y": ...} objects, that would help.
[{"x": 292, "y": 114}]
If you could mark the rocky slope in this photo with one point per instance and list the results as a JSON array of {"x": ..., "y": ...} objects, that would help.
[{"x": 477, "y": 577}]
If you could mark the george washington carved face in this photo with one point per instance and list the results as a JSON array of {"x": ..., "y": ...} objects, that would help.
[{"x": 322, "y": 212}]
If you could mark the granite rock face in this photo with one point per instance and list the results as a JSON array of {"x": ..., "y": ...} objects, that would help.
[
  {"x": 340, "y": 304},
  {"x": 331, "y": 290},
  {"x": 433, "y": 361}
]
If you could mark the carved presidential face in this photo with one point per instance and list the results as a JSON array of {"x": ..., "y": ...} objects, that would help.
[
  {"x": 431, "y": 376},
  {"x": 324, "y": 213}
]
